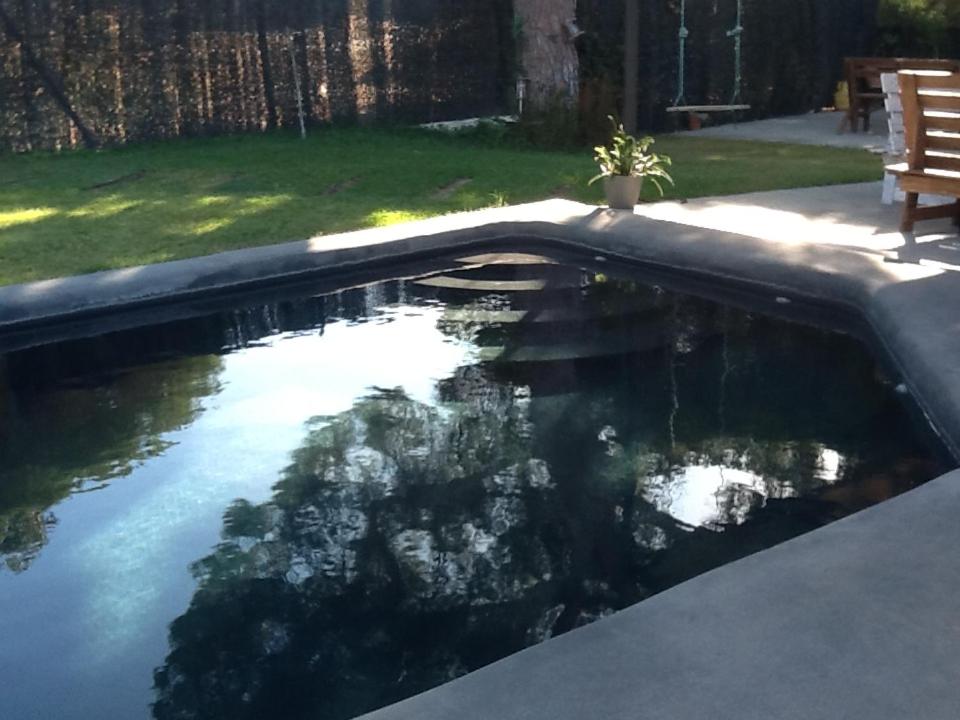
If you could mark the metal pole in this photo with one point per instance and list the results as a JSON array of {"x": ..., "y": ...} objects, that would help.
[{"x": 297, "y": 88}]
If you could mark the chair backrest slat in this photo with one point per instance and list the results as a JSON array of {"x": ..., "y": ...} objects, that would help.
[
  {"x": 942, "y": 162},
  {"x": 943, "y": 141},
  {"x": 937, "y": 81},
  {"x": 932, "y": 102},
  {"x": 945, "y": 123}
]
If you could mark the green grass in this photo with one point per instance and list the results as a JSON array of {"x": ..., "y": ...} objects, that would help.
[{"x": 194, "y": 197}]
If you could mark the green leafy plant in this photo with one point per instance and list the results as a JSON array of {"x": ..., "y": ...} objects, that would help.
[
  {"x": 629, "y": 156},
  {"x": 499, "y": 199}
]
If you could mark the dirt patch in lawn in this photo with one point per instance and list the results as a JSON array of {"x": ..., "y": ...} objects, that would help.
[
  {"x": 446, "y": 192},
  {"x": 129, "y": 177},
  {"x": 341, "y": 185}
]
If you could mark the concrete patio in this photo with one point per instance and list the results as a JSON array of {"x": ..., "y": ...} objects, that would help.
[
  {"x": 819, "y": 128},
  {"x": 848, "y": 216}
]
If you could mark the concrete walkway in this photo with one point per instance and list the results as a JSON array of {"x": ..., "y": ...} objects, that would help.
[{"x": 810, "y": 129}]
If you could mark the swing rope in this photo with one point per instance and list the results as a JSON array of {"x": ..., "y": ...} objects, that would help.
[
  {"x": 736, "y": 102},
  {"x": 683, "y": 34},
  {"x": 737, "y": 34}
]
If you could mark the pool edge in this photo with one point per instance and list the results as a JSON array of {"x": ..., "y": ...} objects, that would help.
[{"x": 911, "y": 323}]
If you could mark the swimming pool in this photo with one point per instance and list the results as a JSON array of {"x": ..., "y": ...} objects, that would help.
[{"x": 317, "y": 505}]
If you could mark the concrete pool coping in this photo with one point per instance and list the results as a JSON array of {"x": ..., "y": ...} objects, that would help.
[
  {"x": 910, "y": 307},
  {"x": 854, "y": 620}
]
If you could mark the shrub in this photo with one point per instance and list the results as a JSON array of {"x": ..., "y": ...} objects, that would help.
[{"x": 918, "y": 27}]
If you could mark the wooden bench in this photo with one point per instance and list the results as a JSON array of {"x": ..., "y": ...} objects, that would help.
[
  {"x": 931, "y": 121},
  {"x": 863, "y": 82}
]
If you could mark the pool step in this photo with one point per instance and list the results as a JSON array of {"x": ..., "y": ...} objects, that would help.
[
  {"x": 454, "y": 297},
  {"x": 528, "y": 273},
  {"x": 552, "y": 274},
  {"x": 624, "y": 341},
  {"x": 528, "y": 311},
  {"x": 448, "y": 282},
  {"x": 506, "y": 258},
  {"x": 482, "y": 316}
]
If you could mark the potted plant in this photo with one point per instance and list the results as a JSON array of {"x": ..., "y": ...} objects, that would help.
[{"x": 625, "y": 163}]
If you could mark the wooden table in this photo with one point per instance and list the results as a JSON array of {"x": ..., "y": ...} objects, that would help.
[{"x": 863, "y": 83}]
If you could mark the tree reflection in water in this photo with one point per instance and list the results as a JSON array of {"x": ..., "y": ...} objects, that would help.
[
  {"x": 76, "y": 416},
  {"x": 82, "y": 437},
  {"x": 407, "y": 544}
]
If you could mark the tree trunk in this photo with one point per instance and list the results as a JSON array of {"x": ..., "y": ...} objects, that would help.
[
  {"x": 631, "y": 64},
  {"x": 548, "y": 55}
]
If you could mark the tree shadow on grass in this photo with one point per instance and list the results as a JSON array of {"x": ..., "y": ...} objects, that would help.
[{"x": 53, "y": 234}]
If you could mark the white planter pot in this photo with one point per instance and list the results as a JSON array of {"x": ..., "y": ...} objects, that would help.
[{"x": 622, "y": 191}]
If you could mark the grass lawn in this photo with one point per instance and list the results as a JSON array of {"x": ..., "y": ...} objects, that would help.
[{"x": 84, "y": 211}]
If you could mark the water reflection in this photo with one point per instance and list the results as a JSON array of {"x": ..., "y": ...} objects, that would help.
[
  {"x": 422, "y": 477},
  {"x": 409, "y": 543},
  {"x": 76, "y": 416},
  {"x": 101, "y": 432}
]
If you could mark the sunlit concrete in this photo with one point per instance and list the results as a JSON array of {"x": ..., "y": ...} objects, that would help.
[
  {"x": 849, "y": 216},
  {"x": 822, "y": 128}
]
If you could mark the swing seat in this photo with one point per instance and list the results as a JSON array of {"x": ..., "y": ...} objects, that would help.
[
  {"x": 694, "y": 111},
  {"x": 707, "y": 108}
]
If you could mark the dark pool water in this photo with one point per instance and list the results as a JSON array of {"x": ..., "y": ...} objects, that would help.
[{"x": 314, "y": 507}]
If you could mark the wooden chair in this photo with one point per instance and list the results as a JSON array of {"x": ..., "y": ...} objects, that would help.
[
  {"x": 897, "y": 141},
  {"x": 931, "y": 119},
  {"x": 863, "y": 82}
]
